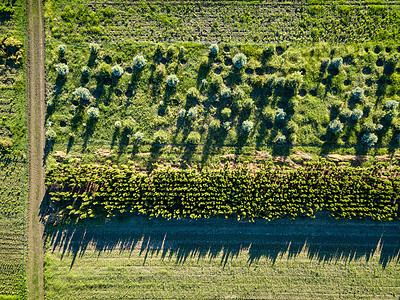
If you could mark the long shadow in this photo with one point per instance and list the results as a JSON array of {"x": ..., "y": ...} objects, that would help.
[{"x": 324, "y": 238}]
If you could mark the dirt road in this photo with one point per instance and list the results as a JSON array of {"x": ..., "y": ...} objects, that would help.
[{"x": 36, "y": 144}]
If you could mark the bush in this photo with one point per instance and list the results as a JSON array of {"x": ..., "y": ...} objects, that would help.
[
  {"x": 280, "y": 114},
  {"x": 51, "y": 135},
  {"x": 215, "y": 124},
  {"x": 337, "y": 105},
  {"x": 85, "y": 71},
  {"x": 104, "y": 70},
  {"x": 239, "y": 61},
  {"x": 294, "y": 80},
  {"x": 172, "y": 80},
  {"x": 226, "y": 113},
  {"x": 94, "y": 48},
  {"x": 390, "y": 115},
  {"x": 357, "y": 93},
  {"x": 369, "y": 139},
  {"x": 182, "y": 113},
  {"x": 391, "y": 104},
  {"x": 93, "y": 112},
  {"x": 325, "y": 63},
  {"x": 139, "y": 62},
  {"x": 193, "y": 93},
  {"x": 117, "y": 71},
  {"x": 193, "y": 138},
  {"x": 216, "y": 83},
  {"x": 62, "y": 69},
  {"x": 335, "y": 126},
  {"x": 138, "y": 136},
  {"x": 82, "y": 93},
  {"x": 6, "y": 144},
  {"x": 280, "y": 139},
  {"x": 192, "y": 113},
  {"x": 369, "y": 126},
  {"x": 269, "y": 51},
  {"x": 346, "y": 114},
  {"x": 214, "y": 49},
  {"x": 159, "y": 74},
  {"x": 62, "y": 49},
  {"x": 227, "y": 125},
  {"x": 292, "y": 127},
  {"x": 337, "y": 62},
  {"x": 269, "y": 115},
  {"x": 160, "y": 137},
  {"x": 248, "y": 104},
  {"x": 226, "y": 93},
  {"x": 118, "y": 124},
  {"x": 247, "y": 126},
  {"x": 356, "y": 114}
]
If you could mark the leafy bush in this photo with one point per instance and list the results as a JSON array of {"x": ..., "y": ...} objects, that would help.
[
  {"x": 369, "y": 139},
  {"x": 192, "y": 113},
  {"x": 104, "y": 70},
  {"x": 159, "y": 74},
  {"x": 62, "y": 49},
  {"x": 346, "y": 114},
  {"x": 294, "y": 80},
  {"x": 337, "y": 62},
  {"x": 269, "y": 114},
  {"x": 51, "y": 135},
  {"x": 182, "y": 113},
  {"x": 117, "y": 71},
  {"x": 357, "y": 93},
  {"x": 391, "y": 115},
  {"x": 227, "y": 126},
  {"x": 335, "y": 126},
  {"x": 172, "y": 80},
  {"x": 139, "y": 62},
  {"x": 239, "y": 61},
  {"x": 118, "y": 124},
  {"x": 214, "y": 49},
  {"x": 248, "y": 104},
  {"x": 160, "y": 137},
  {"x": 85, "y": 71},
  {"x": 138, "y": 136},
  {"x": 226, "y": 93},
  {"x": 325, "y": 63},
  {"x": 215, "y": 124},
  {"x": 280, "y": 114},
  {"x": 247, "y": 126},
  {"x": 216, "y": 83},
  {"x": 391, "y": 104},
  {"x": 356, "y": 114},
  {"x": 292, "y": 127},
  {"x": 226, "y": 113},
  {"x": 93, "y": 112},
  {"x": 193, "y": 138},
  {"x": 82, "y": 93},
  {"x": 369, "y": 126},
  {"x": 280, "y": 139},
  {"x": 62, "y": 69},
  {"x": 94, "y": 48},
  {"x": 193, "y": 93},
  {"x": 269, "y": 51}
]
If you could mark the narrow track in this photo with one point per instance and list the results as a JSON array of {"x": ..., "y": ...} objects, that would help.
[{"x": 36, "y": 144}]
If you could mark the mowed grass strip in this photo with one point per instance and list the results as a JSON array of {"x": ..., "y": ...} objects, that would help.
[{"x": 135, "y": 275}]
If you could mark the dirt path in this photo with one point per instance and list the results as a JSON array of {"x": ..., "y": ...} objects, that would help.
[{"x": 36, "y": 144}]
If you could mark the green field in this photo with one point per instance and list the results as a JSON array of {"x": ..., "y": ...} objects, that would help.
[
  {"x": 217, "y": 259},
  {"x": 13, "y": 173}
]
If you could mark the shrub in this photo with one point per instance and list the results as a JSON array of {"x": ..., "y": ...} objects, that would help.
[
  {"x": 94, "y": 48},
  {"x": 390, "y": 115},
  {"x": 51, "y": 135},
  {"x": 82, "y": 93},
  {"x": 391, "y": 104},
  {"x": 117, "y": 71},
  {"x": 104, "y": 70},
  {"x": 172, "y": 80},
  {"x": 335, "y": 126},
  {"x": 325, "y": 63},
  {"x": 159, "y": 74},
  {"x": 248, "y": 104},
  {"x": 280, "y": 114},
  {"x": 93, "y": 112},
  {"x": 356, "y": 114},
  {"x": 280, "y": 139},
  {"x": 214, "y": 49},
  {"x": 62, "y": 69},
  {"x": 239, "y": 61},
  {"x": 379, "y": 127},
  {"x": 337, "y": 62},
  {"x": 269, "y": 114},
  {"x": 193, "y": 138},
  {"x": 85, "y": 71},
  {"x": 269, "y": 51},
  {"x": 62, "y": 49},
  {"x": 182, "y": 113},
  {"x": 192, "y": 113},
  {"x": 280, "y": 82},
  {"x": 226, "y": 113},
  {"x": 294, "y": 80},
  {"x": 247, "y": 126},
  {"x": 118, "y": 124},
  {"x": 215, "y": 124},
  {"x": 193, "y": 93},
  {"x": 226, "y": 93},
  {"x": 369, "y": 126},
  {"x": 346, "y": 113},
  {"x": 160, "y": 137},
  {"x": 357, "y": 93},
  {"x": 369, "y": 139},
  {"x": 216, "y": 83},
  {"x": 204, "y": 82},
  {"x": 138, "y": 136},
  {"x": 292, "y": 127},
  {"x": 139, "y": 62},
  {"x": 337, "y": 105},
  {"x": 227, "y": 125}
]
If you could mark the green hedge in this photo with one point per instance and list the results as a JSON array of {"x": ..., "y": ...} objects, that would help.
[{"x": 345, "y": 192}]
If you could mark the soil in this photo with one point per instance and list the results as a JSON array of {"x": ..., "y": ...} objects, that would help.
[{"x": 36, "y": 145}]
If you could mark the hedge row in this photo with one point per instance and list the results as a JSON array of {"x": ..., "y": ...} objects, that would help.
[{"x": 345, "y": 192}]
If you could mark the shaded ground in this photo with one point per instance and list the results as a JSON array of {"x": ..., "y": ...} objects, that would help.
[
  {"x": 36, "y": 145},
  {"x": 217, "y": 256}
]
